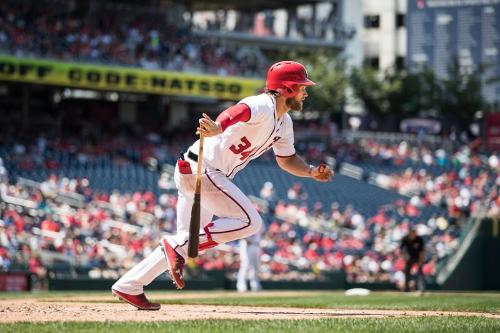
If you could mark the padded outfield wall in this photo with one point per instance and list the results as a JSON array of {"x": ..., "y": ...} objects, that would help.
[{"x": 479, "y": 267}]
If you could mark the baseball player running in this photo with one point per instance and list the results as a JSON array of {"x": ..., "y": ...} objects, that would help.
[{"x": 240, "y": 134}]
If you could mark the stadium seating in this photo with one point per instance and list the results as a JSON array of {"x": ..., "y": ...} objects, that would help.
[
  {"x": 311, "y": 228},
  {"x": 119, "y": 34}
]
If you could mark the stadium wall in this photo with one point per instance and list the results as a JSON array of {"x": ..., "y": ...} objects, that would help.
[
  {"x": 15, "y": 281},
  {"x": 213, "y": 280},
  {"x": 478, "y": 269}
]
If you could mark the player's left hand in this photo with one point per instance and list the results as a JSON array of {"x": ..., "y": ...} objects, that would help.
[
  {"x": 322, "y": 173},
  {"x": 207, "y": 127}
]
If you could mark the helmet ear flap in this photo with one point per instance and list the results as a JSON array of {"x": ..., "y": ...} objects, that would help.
[{"x": 287, "y": 91}]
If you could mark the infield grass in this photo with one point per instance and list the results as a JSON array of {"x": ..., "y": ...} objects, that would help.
[
  {"x": 442, "y": 301},
  {"x": 445, "y": 301},
  {"x": 404, "y": 325},
  {"x": 383, "y": 301}
]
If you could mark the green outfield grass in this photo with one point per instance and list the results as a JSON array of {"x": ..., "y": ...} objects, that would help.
[
  {"x": 444, "y": 301},
  {"x": 461, "y": 302},
  {"x": 403, "y": 325},
  {"x": 384, "y": 301}
]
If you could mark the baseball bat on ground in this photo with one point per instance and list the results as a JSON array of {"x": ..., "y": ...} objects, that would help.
[{"x": 194, "y": 225}]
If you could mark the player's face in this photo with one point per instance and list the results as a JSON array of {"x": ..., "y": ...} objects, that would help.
[{"x": 296, "y": 103}]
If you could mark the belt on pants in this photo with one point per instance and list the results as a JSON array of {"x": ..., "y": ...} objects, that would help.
[{"x": 193, "y": 157}]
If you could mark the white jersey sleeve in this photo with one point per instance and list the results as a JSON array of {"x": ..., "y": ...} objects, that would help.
[
  {"x": 259, "y": 109},
  {"x": 284, "y": 147}
]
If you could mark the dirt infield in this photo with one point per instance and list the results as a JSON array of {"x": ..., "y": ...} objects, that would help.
[{"x": 103, "y": 308}]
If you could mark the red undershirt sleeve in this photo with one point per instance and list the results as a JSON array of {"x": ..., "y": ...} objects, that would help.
[{"x": 233, "y": 115}]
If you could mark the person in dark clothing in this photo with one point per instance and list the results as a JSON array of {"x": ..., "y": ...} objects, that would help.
[{"x": 413, "y": 250}]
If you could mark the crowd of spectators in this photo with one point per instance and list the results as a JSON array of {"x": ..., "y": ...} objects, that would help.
[
  {"x": 462, "y": 182},
  {"x": 317, "y": 140},
  {"x": 121, "y": 146},
  {"x": 367, "y": 247},
  {"x": 106, "y": 234},
  {"x": 112, "y": 231},
  {"x": 453, "y": 176},
  {"x": 113, "y": 33},
  {"x": 292, "y": 22},
  {"x": 63, "y": 221}
]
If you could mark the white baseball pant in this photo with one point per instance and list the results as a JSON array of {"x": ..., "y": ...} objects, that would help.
[
  {"x": 249, "y": 265},
  {"x": 237, "y": 219}
]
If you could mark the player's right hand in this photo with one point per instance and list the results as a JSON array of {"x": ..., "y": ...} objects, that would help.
[{"x": 207, "y": 127}]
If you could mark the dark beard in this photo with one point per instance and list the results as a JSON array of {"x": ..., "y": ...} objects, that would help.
[{"x": 294, "y": 104}]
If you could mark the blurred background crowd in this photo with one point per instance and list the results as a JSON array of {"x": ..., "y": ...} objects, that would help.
[
  {"x": 87, "y": 226},
  {"x": 118, "y": 34},
  {"x": 86, "y": 185}
]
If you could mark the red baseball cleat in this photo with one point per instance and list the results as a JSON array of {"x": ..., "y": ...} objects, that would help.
[
  {"x": 175, "y": 263},
  {"x": 139, "y": 301}
]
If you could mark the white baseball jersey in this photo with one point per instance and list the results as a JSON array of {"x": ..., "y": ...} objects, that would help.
[
  {"x": 237, "y": 217},
  {"x": 242, "y": 142}
]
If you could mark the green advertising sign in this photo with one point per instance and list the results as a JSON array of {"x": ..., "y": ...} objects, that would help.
[{"x": 116, "y": 78}]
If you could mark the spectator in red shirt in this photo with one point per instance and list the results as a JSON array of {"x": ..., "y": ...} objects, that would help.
[{"x": 49, "y": 224}]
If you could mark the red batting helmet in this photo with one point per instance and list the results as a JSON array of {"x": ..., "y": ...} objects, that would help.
[{"x": 285, "y": 78}]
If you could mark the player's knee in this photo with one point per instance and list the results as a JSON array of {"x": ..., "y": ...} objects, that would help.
[{"x": 255, "y": 224}]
